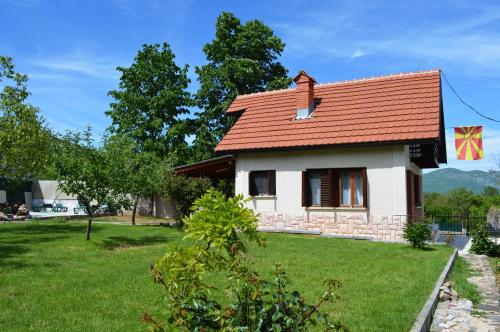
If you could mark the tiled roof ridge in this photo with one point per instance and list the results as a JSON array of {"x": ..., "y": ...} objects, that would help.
[
  {"x": 356, "y": 80},
  {"x": 263, "y": 93},
  {"x": 374, "y": 78}
]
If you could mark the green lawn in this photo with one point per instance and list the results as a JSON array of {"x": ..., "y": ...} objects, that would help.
[{"x": 53, "y": 280}]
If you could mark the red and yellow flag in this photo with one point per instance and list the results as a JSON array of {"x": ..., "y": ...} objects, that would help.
[{"x": 469, "y": 143}]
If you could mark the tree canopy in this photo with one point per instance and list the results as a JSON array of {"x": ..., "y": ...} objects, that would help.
[
  {"x": 89, "y": 173},
  {"x": 140, "y": 173},
  {"x": 242, "y": 58},
  {"x": 461, "y": 202},
  {"x": 24, "y": 139},
  {"x": 151, "y": 100}
]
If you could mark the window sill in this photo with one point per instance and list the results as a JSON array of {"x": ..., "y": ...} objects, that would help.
[
  {"x": 340, "y": 208},
  {"x": 264, "y": 197}
]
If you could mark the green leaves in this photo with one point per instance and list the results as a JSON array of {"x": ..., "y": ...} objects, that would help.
[
  {"x": 150, "y": 101},
  {"x": 220, "y": 222},
  {"x": 221, "y": 229},
  {"x": 90, "y": 173},
  {"x": 182, "y": 191},
  {"x": 242, "y": 59},
  {"x": 24, "y": 138},
  {"x": 417, "y": 232},
  {"x": 482, "y": 244}
]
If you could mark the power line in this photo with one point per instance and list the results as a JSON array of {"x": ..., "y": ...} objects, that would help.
[{"x": 463, "y": 102}]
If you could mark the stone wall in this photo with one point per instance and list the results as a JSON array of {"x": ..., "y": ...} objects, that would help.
[{"x": 360, "y": 225}]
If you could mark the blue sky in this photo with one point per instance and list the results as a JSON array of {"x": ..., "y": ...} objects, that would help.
[{"x": 70, "y": 49}]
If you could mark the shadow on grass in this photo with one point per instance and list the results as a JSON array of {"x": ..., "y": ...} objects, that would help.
[
  {"x": 9, "y": 255},
  {"x": 40, "y": 228},
  {"x": 17, "y": 240},
  {"x": 123, "y": 242}
]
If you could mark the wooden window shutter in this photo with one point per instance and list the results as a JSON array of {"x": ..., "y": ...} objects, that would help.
[
  {"x": 271, "y": 177},
  {"x": 421, "y": 189},
  {"x": 418, "y": 190},
  {"x": 331, "y": 188},
  {"x": 251, "y": 187},
  {"x": 335, "y": 187},
  {"x": 409, "y": 194},
  {"x": 325, "y": 188},
  {"x": 365, "y": 187},
  {"x": 305, "y": 190}
]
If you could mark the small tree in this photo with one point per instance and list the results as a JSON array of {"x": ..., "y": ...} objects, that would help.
[
  {"x": 222, "y": 230},
  {"x": 86, "y": 172},
  {"x": 140, "y": 173}
]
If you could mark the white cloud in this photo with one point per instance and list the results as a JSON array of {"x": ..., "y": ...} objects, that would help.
[
  {"x": 79, "y": 62},
  {"x": 346, "y": 30},
  {"x": 357, "y": 54}
]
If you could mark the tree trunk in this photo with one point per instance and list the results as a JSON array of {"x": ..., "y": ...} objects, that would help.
[
  {"x": 134, "y": 211},
  {"x": 153, "y": 205},
  {"x": 89, "y": 225}
]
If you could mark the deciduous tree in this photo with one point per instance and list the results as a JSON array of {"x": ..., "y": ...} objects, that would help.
[
  {"x": 151, "y": 101},
  {"x": 86, "y": 171},
  {"x": 242, "y": 58},
  {"x": 24, "y": 138},
  {"x": 140, "y": 173}
]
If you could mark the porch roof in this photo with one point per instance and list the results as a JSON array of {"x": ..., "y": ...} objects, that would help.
[{"x": 214, "y": 168}]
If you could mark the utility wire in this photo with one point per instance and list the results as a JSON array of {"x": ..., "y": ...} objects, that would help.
[{"x": 463, "y": 102}]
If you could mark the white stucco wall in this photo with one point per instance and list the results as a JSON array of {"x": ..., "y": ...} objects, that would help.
[
  {"x": 383, "y": 219},
  {"x": 386, "y": 177},
  {"x": 3, "y": 196},
  {"x": 48, "y": 190}
]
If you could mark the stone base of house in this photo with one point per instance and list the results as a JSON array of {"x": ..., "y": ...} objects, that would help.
[{"x": 342, "y": 224}]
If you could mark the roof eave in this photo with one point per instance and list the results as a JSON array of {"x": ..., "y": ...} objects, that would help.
[{"x": 327, "y": 146}]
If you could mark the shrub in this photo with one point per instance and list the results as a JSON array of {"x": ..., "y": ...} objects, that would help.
[
  {"x": 481, "y": 243},
  {"x": 222, "y": 230},
  {"x": 417, "y": 233},
  {"x": 182, "y": 191}
]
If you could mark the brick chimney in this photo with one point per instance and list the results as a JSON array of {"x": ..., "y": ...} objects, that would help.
[{"x": 304, "y": 91}]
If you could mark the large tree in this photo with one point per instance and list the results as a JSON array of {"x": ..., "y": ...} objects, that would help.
[
  {"x": 90, "y": 173},
  {"x": 151, "y": 101},
  {"x": 242, "y": 58},
  {"x": 24, "y": 139}
]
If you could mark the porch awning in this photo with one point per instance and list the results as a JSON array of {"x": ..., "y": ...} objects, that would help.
[{"x": 214, "y": 168}]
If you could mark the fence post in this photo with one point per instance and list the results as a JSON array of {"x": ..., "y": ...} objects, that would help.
[{"x": 467, "y": 226}]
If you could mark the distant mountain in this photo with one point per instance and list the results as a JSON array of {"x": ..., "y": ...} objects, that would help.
[{"x": 446, "y": 179}]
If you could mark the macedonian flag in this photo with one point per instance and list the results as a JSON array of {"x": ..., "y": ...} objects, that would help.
[{"x": 469, "y": 143}]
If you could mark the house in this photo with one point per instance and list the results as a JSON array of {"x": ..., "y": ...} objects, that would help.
[{"x": 339, "y": 159}]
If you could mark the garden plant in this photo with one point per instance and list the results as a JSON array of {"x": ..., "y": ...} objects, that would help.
[{"x": 222, "y": 231}]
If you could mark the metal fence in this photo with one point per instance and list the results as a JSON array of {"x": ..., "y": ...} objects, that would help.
[{"x": 457, "y": 224}]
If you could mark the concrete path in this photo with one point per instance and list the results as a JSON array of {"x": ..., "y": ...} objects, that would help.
[{"x": 460, "y": 315}]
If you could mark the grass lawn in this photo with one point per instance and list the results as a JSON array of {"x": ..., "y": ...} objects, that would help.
[
  {"x": 53, "y": 280},
  {"x": 495, "y": 266},
  {"x": 460, "y": 272}
]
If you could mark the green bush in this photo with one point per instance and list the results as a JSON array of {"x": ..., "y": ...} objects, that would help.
[
  {"x": 481, "y": 243},
  {"x": 417, "y": 232},
  {"x": 222, "y": 230},
  {"x": 182, "y": 191}
]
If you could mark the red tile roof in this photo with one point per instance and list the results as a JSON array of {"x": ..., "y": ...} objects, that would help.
[{"x": 404, "y": 107}]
